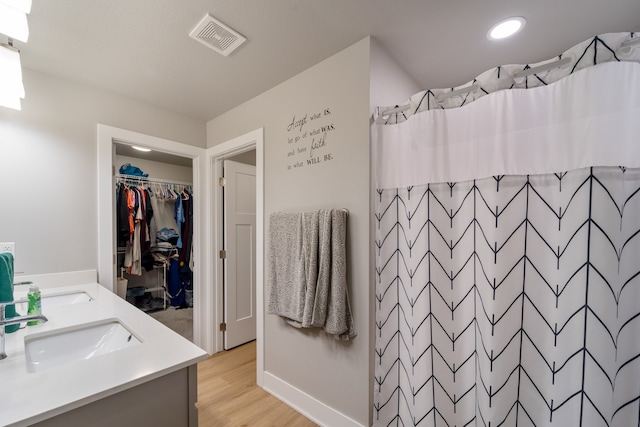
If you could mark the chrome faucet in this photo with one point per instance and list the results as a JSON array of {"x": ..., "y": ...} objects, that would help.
[{"x": 13, "y": 321}]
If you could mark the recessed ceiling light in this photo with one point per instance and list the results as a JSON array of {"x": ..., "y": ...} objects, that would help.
[
  {"x": 135, "y": 147},
  {"x": 506, "y": 28}
]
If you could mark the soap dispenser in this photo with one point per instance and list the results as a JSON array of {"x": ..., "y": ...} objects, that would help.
[{"x": 35, "y": 303}]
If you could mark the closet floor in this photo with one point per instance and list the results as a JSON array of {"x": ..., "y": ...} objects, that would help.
[
  {"x": 178, "y": 320},
  {"x": 229, "y": 396}
]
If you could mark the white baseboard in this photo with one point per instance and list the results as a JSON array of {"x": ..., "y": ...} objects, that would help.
[{"x": 308, "y": 406}]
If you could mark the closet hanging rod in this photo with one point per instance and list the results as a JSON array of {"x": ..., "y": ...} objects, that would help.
[
  {"x": 544, "y": 67},
  {"x": 122, "y": 177}
]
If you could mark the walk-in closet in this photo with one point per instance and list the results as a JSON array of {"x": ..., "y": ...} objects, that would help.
[{"x": 153, "y": 199}]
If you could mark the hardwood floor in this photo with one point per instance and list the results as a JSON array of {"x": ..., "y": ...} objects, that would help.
[{"x": 228, "y": 394}]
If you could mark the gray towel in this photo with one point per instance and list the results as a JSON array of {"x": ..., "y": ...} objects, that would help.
[
  {"x": 286, "y": 275},
  {"x": 316, "y": 258},
  {"x": 307, "y": 278}
]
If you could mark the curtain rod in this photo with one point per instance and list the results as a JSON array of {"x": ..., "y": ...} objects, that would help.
[
  {"x": 395, "y": 110},
  {"x": 439, "y": 98},
  {"x": 544, "y": 67},
  {"x": 122, "y": 177},
  {"x": 631, "y": 42},
  {"x": 475, "y": 86},
  {"x": 567, "y": 60},
  {"x": 461, "y": 91}
]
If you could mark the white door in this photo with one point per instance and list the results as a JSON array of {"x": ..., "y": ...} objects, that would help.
[{"x": 240, "y": 245}]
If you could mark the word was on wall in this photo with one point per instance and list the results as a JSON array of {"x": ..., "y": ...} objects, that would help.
[{"x": 307, "y": 139}]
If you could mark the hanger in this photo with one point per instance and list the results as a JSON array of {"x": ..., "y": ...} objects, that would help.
[{"x": 172, "y": 192}]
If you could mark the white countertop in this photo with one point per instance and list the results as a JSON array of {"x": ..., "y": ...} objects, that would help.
[{"x": 29, "y": 397}]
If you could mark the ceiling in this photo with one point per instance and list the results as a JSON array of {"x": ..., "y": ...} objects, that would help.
[{"x": 141, "y": 48}]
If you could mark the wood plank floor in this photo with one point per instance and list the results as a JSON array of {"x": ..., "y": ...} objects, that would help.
[{"x": 228, "y": 394}]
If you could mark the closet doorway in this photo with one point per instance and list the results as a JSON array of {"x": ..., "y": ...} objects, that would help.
[
  {"x": 160, "y": 281},
  {"x": 108, "y": 138}
]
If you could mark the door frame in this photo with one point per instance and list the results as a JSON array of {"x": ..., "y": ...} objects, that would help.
[
  {"x": 215, "y": 155},
  {"x": 108, "y": 136}
]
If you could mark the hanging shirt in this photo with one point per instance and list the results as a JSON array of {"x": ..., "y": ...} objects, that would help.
[
  {"x": 123, "y": 216},
  {"x": 136, "y": 265},
  {"x": 131, "y": 202},
  {"x": 180, "y": 219},
  {"x": 149, "y": 218},
  {"x": 163, "y": 217},
  {"x": 187, "y": 230},
  {"x": 144, "y": 229}
]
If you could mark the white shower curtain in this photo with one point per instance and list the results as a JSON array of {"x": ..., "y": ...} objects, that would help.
[{"x": 508, "y": 250}]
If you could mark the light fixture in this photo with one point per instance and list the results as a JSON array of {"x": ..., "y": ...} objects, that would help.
[
  {"x": 11, "y": 87},
  {"x": 506, "y": 28},
  {"x": 13, "y": 24},
  {"x": 13, "y": 19},
  {"x": 135, "y": 147}
]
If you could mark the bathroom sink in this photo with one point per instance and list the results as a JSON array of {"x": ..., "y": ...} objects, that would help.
[
  {"x": 54, "y": 348},
  {"x": 57, "y": 300}
]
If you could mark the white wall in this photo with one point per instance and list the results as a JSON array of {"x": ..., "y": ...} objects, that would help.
[
  {"x": 157, "y": 170},
  {"x": 48, "y": 158},
  {"x": 390, "y": 83},
  {"x": 334, "y": 373}
]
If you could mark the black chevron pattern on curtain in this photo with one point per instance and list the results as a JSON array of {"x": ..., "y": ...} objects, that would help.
[
  {"x": 511, "y": 300},
  {"x": 597, "y": 50}
]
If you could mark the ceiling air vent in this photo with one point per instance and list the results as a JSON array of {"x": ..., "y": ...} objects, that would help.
[{"x": 216, "y": 35}]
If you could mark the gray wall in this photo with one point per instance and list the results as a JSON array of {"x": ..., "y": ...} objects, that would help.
[
  {"x": 333, "y": 372},
  {"x": 48, "y": 158}
]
